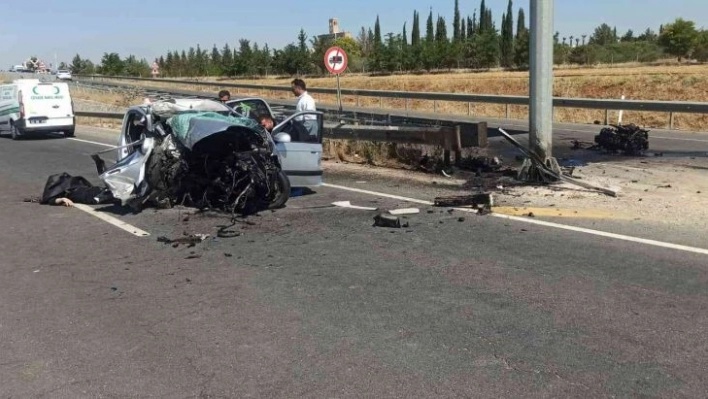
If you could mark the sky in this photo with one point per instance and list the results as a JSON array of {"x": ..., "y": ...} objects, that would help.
[{"x": 148, "y": 28}]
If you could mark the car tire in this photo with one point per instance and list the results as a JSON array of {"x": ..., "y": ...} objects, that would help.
[
  {"x": 14, "y": 132},
  {"x": 282, "y": 186},
  {"x": 69, "y": 133}
]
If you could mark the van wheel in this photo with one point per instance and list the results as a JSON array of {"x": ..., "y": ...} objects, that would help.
[{"x": 14, "y": 132}]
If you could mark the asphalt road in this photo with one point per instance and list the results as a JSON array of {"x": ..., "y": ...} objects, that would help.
[{"x": 313, "y": 301}]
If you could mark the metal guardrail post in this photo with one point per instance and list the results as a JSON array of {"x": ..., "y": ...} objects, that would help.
[
  {"x": 469, "y": 108},
  {"x": 607, "y": 116},
  {"x": 671, "y": 120},
  {"x": 435, "y": 106},
  {"x": 507, "y": 111}
]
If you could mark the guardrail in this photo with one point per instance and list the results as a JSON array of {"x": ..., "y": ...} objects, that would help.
[
  {"x": 450, "y": 138},
  {"x": 669, "y": 107}
]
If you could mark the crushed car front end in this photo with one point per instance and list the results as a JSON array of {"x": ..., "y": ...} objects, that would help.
[{"x": 200, "y": 156}]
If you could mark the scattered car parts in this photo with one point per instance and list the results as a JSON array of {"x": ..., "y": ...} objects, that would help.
[{"x": 628, "y": 139}]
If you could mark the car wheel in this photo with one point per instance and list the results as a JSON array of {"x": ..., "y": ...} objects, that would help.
[
  {"x": 69, "y": 133},
  {"x": 282, "y": 187},
  {"x": 15, "y": 132}
]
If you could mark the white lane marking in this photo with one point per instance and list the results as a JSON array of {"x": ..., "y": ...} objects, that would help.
[
  {"x": 111, "y": 220},
  {"x": 541, "y": 223},
  {"x": 358, "y": 190},
  {"x": 678, "y": 139},
  {"x": 606, "y": 234},
  {"x": 91, "y": 142}
]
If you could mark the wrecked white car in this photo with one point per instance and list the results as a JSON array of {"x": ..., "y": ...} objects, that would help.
[{"x": 198, "y": 153}]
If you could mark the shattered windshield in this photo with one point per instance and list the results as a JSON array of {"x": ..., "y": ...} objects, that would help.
[{"x": 190, "y": 128}]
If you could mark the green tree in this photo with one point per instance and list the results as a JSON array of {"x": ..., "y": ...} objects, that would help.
[
  {"x": 521, "y": 22},
  {"x": 112, "y": 64},
  {"x": 471, "y": 26},
  {"x": 191, "y": 66},
  {"x": 648, "y": 36},
  {"x": 482, "y": 27},
  {"x": 700, "y": 52},
  {"x": 507, "y": 37},
  {"x": 443, "y": 54},
  {"x": 415, "y": 31},
  {"x": 406, "y": 56},
  {"x": 486, "y": 48},
  {"x": 184, "y": 69},
  {"x": 78, "y": 65},
  {"x": 135, "y": 67},
  {"x": 302, "y": 40},
  {"x": 521, "y": 48},
  {"x": 603, "y": 35},
  {"x": 585, "y": 55},
  {"x": 227, "y": 61},
  {"x": 244, "y": 64},
  {"x": 430, "y": 28},
  {"x": 416, "y": 48},
  {"x": 377, "y": 49},
  {"x": 628, "y": 37},
  {"x": 456, "y": 25},
  {"x": 215, "y": 61},
  {"x": 679, "y": 38}
]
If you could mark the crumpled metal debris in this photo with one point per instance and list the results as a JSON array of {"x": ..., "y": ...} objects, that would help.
[
  {"x": 190, "y": 240},
  {"x": 384, "y": 220},
  {"x": 628, "y": 139},
  {"x": 231, "y": 172}
]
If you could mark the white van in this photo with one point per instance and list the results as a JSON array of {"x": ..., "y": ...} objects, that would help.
[{"x": 30, "y": 106}]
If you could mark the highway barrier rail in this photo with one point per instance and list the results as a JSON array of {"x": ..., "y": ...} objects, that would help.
[{"x": 670, "y": 107}]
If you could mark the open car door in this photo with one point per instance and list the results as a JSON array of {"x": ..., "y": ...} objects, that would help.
[{"x": 301, "y": 156}]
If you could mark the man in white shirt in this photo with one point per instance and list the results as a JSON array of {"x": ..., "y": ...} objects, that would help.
[{"x": 305, "y": 102}]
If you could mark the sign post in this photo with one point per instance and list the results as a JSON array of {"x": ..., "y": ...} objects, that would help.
[{"x": 335, "y": 60}]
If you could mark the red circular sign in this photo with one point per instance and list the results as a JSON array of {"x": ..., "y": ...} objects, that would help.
[{"x": 335, "y": 60}]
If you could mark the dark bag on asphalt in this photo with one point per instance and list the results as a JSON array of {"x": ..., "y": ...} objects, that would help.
[{"x": 76, "y": 188}]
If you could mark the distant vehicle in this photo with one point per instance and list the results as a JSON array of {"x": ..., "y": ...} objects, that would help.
[
  {"x": 18, "y": 68},
  {"x": 63, "y": 74},
  {"x": 30, "y": 106}
]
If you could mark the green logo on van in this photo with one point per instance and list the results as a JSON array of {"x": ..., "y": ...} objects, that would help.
[{"x": 56, "y": 90}]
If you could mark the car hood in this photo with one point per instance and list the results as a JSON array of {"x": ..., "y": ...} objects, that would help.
[{"x": 191, "y": 128}]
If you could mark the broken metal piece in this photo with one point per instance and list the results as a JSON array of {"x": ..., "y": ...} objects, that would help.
[
  {"x": 383, "y": 220},
  {"x": 558, "y": 176},
  {"x": 189, "y": 240},
  {"x": 348, "y": 204},
  {"x": 404, "y": 211},
  {"x": 473, "y": 200}
]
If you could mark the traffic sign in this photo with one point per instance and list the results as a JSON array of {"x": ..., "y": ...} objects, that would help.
[{"x": 335, "y": 60}]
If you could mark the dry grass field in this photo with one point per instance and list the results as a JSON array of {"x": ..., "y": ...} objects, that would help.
[{"x": 639, "y": 82}]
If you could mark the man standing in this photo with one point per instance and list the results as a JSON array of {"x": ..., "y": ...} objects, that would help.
[{"x": 305, "y": 102}]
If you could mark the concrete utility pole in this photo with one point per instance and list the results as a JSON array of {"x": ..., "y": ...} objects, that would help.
[{"x": 541, "y": 79}]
